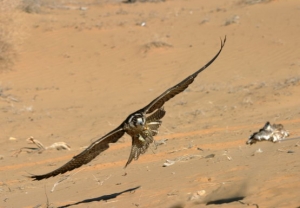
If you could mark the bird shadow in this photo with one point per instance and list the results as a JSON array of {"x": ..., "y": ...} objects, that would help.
[
  {"x": 100, "y": 198},
  {"x": 226, "y": 200}
]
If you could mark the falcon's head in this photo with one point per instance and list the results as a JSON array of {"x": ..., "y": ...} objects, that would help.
[{"x": 137, "y": 120}]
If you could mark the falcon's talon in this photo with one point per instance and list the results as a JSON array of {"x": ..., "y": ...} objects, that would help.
[{"x": 141, "y": 138}]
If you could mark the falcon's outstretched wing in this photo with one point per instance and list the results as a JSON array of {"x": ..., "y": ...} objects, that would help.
[
  {"x": 87, "y": 155},
  {"x": 171, "y": 92}
]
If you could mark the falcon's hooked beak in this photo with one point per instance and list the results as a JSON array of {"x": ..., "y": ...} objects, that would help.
[{"x": 140, "y": 122}]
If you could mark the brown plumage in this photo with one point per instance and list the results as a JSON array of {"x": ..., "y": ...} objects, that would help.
[{"x": 141, "y": 126}]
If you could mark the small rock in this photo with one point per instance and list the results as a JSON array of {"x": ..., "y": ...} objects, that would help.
[
  {"x": 194, "y": 197},
  {"x": 257, "y": 151},
  {"x": 12, "y": 139},
  {"x": 201, "y": 192},
  {"x": 83, "y": 8},
  {"x": 210, "y": 156},
  {"x": 59, "y": 146},
  {"x": 197, "y": 195},
  {"x": 168, "y": 163},
  {"x": 290, "y": 151}
]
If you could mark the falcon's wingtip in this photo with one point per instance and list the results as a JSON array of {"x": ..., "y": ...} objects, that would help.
[
  {"x": 33, "y": 177},
  {"x": 36, "y": 177},
  {"x": 223, "y": 41}
]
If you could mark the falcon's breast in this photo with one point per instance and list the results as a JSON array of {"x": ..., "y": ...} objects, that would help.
[{"x": 142, "y": 129}]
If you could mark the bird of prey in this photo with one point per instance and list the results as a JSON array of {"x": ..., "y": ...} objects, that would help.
[
  {"x": 269, "y": 132},
  {"x": 141, "y": 125}
]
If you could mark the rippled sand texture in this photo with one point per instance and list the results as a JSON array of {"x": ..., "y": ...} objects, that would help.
[{"x": 84, "y": 66}]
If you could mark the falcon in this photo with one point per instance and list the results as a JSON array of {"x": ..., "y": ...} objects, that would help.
[{"x": 141, "y": 125}]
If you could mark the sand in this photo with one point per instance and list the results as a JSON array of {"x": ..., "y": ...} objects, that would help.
[{"x": 84, "y": 67}]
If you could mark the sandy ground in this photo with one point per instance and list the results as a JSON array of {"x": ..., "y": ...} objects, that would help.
[{"x": 84, "y": 67}]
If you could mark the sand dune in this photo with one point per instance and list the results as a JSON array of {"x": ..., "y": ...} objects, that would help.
[{"x": 84, "y": 66}]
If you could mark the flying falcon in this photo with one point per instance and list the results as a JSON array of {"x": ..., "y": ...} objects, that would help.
[{"x": 141, "y": 125}]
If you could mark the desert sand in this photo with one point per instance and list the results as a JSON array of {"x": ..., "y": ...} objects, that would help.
[{"x": 84, "y": 66}]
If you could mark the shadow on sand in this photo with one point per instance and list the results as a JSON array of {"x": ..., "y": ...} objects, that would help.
[{"x": 100, "y": 198}]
